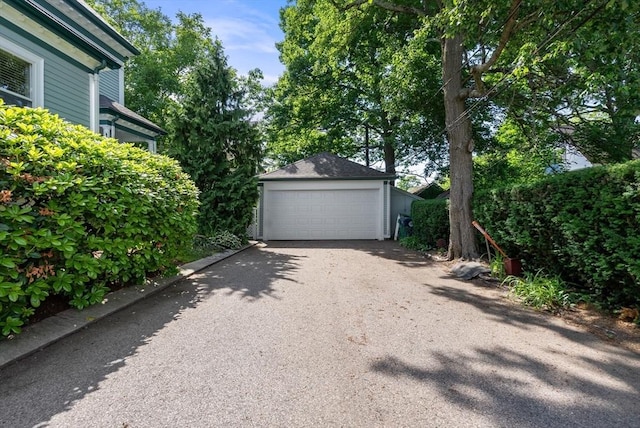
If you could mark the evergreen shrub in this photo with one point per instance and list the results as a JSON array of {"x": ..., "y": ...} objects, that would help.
[
  {"x": 431, "y": 221},
  {"x": 213, "y": 138},
  {"x": 582, "y": 225},
  {"x": 79, "y": 212}
]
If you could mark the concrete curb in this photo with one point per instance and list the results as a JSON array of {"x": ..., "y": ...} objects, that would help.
[{"x": 42, "y": 334}]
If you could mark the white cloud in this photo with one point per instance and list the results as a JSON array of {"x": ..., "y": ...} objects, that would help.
[
  {"x": 242, "y": 34},
  {"x": 242, "y": 25},
  {"x": 270, "y": 79},
  {"x": 248, "y": 30},
  {"x": 249, "y": 41}
]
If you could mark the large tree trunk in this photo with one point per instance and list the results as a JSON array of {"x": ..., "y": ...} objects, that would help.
[
  {"x": 462, "y": 243},
  {"x": 389, "y": 156},
  {"x": 389, "y": 152}
]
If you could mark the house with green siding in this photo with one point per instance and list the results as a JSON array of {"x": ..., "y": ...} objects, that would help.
[{"x": 63, "y": 56}]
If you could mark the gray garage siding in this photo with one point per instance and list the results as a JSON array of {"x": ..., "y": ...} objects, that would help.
[{"x": 400, "y": 204}]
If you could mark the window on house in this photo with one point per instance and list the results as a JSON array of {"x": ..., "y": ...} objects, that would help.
[{"x": 15, "y": 80}]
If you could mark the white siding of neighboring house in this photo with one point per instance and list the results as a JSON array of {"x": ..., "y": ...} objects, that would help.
[
  {"x": 400, "y": 204},
  {"x": 259, "y": 217},
  {"x": 573, "y": 159}
]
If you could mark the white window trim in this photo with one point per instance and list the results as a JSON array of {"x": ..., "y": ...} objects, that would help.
[{"x": 37, "y": 69}]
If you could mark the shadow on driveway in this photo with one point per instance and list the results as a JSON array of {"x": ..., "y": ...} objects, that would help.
[
  {"x": 501, "y": 382},
  {"x": 47, "y": 383},
  {"x": 514, "y": 389},
  {"x": 250, "y": 277},
  {"x": 513, "y": 314},
  {"x": 391, "y": 250}
]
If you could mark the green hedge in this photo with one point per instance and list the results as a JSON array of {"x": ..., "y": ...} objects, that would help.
[
  {"x": 583, "y": 225},
  {"x": 431, "y": 221},
  {"x": 79, "y": 212}
]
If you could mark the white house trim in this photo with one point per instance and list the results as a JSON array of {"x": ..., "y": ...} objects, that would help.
[
  {"x": 47, "y": 36},
  {"x": 152, "y": 146},
  {"x": 37, "y": 70}
]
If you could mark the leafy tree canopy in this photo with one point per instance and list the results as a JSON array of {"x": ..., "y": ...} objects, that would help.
[
  {"x": 537, "y": 63},
  {"x": 576, "y": 75},
  {"x": 346, "y": 88},
  {"x": 156, "y": 79}
]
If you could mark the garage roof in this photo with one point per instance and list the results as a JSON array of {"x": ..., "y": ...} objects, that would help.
[{"x": 326, "y": 166}]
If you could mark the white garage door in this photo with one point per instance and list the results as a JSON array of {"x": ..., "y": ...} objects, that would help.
[{"x": 321, "y": 214}]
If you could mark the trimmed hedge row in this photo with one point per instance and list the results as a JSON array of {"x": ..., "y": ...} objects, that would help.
[
  {"x": 430, "y": 220},
  {"x": 79, "y": 212},
  {"x": 582, "y": 225}
]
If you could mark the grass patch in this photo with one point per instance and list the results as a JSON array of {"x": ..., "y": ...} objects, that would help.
[
  {"x": 540, "y": 291},
  {"x": 205, "y": 246},
  {"x": 497, "y": 267},
  {"x": 414, "y": 243}
]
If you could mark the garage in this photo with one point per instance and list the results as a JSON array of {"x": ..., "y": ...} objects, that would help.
[
  {"x": 324, "y": 197},
  {"x": 323, "y": 214}
]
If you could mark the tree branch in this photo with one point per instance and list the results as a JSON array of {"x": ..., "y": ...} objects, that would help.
[
  {"x": 504, "y": 38},
  {"x": 472, "y": 93},
  {"x": 478, "y": 70},
  {"x": 532, "y": 17}
]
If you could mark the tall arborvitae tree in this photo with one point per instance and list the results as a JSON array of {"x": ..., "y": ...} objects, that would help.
[{"x": 211, "y": 135}]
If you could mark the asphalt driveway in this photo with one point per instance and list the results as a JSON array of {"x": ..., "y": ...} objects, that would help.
[{"x": 353, "y": 334}]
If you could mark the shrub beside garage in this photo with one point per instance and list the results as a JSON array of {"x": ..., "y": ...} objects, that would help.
[
  {"x": 79, "y": 213},
  {"x": 431, "y": 221},
  {"x": 582, "y": 225}
]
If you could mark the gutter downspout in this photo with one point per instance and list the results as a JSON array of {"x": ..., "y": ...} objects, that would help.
[
  {"x": 113, "y": 125},
  {"x": 94, "y": 97}
]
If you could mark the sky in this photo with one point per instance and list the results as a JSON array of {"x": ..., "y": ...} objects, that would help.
[{"x": 248, "y": 29}]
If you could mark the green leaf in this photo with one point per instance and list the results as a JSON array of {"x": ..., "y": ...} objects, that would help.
[
  {"x": 35, "y": 301},
  {"x": 8, "y": 263},
  {"x": 83, "y": 241},
  {"x": 20, "y": 240},
  {"x": 11, "y": 325}
]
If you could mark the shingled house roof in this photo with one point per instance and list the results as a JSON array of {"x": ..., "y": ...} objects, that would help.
[
  {"x": 108, "y": 106},
  {"x": 325, "y": 166},
  {"x": 427, "y": 191}
]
